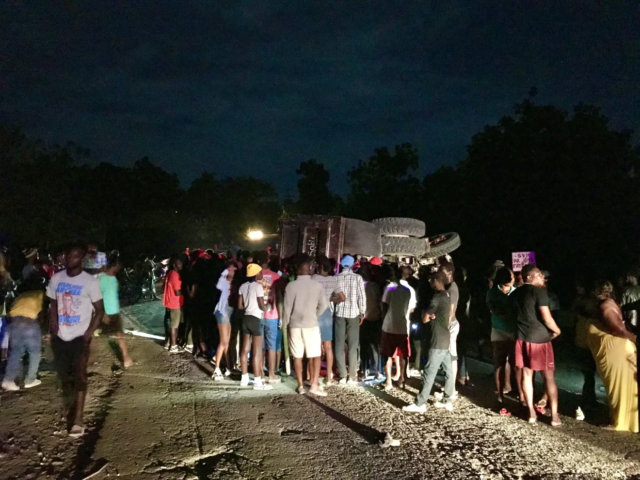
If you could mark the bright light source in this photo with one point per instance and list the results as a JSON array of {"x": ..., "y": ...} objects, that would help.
[{"x": 255, "y": 235}]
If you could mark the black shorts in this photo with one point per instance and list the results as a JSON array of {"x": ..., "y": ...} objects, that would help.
[
  {"x": 71, "y": 360},
  {"x": 112, "y": 324},
  {"x": 504, "y": 351},
  {"x": 252, "y": 326}
]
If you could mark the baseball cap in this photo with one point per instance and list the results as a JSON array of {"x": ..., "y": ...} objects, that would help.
[
  {"x": 253, "y": 270},
  {"x": 347, "y": 261},
  {"x": 376, "y": 261}
]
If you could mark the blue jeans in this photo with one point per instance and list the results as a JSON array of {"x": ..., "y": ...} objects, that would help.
[
  {"x": 24, "y": 336},
  {"x": 435, "y": 358}
]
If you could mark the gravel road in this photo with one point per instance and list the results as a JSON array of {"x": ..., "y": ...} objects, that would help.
[{"x": 165, "y": 419}]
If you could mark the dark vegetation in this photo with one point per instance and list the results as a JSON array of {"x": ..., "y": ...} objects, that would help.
[{"x": 562, "y": 184}]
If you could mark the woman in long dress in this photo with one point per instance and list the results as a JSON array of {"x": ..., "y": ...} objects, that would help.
[{"x": 614, "y": 349}]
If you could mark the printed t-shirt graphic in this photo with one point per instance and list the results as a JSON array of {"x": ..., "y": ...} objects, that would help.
[
  {"x": 269, "y": 278},
  {"x": 75, "y": 297}
]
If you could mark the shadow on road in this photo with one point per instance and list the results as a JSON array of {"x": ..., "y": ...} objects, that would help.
[{"x": 371, "y": 435}]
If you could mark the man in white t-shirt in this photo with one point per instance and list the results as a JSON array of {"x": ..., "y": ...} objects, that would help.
[
  {"x": 251, "y": 300},
  {"x": 398, "y": 302},
  {"x": 75, "y": 313}
]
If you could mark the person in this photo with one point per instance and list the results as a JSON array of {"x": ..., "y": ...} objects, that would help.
[
  {"x": 251, "y": 302},
  {"x": 30, "y": 269},
  {"x": 467, "y": 336},
  {"x": 614, "y": 349},
  {"x": 25, "y": 335},
  {"x": 347, "y": 323},
  {"x": 536, "y": 328},
  {"x": 325, "y": 320},
  {"x": 503, "y": 334},
  {"x": 112, "y": 320},
  {"x": 398, "y": 303},
  {"x": 439, "y": 315},
  {"x": 583, "y": 309},
  {"x": 272, "y": 325},
  {"x": 173, "y": 301},
  {"x": 631, "y": 294},
  {"x": 454, "y": 326},
  {"x": 6, "y": 295},
  {"x": 304, "y": 302},
  {"x": 75, "y": 313},
  {"x": 149, "y": 269},
  {"x": 223, "y": 313},
  {"x": 202, "y": 303},
  {"x": 371, "y": 323}
]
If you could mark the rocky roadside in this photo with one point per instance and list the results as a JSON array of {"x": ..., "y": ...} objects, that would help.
[{"x": 166, "y": 419}]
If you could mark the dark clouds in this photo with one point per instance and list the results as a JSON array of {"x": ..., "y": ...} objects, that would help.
[{"x": 256, "y": 87}]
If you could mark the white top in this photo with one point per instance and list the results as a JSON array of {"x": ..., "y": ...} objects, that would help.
[
  {"x": 225, "y": 289},
  {"x": 250, "y": 292},
  {"x": 75, "y": 297},
  {"x": 401, "y": 299}
]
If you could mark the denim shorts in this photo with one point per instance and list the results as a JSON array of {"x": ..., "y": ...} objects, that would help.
[
  {"x": 272, "y": 335},
  {"x": 224, "y": 318},
  {"x": 325, "y": 322}
]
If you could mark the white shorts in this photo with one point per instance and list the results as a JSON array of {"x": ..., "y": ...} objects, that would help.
[
  {"x": 303, "y": 340},
  {"x": 454, "y": 330}
]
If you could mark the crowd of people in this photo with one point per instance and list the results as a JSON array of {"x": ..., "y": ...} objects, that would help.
[
  {"x": 334, "y": 322},
  {"x": 370, "y": 320}
]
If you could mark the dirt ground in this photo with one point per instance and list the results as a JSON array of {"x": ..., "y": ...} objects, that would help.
[{"x": 164, "y": 418}]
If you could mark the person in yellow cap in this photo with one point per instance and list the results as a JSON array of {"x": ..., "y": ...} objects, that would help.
[{"x": 251, "y": 301}]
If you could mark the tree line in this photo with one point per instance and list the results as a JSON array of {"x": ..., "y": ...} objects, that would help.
[{"x": 563, "y": 184}]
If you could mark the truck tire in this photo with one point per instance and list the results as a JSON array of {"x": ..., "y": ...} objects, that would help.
[
  {"x": 361, "y": 238},
  {"x": 415, "y": 247},
  {"x": 401, "y": 226},
  {"x": 443, "y": 246}
]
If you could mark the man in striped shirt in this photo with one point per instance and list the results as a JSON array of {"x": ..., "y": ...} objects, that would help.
[{"x": 348, "y": 317}]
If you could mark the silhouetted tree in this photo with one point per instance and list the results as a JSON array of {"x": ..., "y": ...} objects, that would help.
[
  {"x": 314, "y": 196},
  {"x": 385, "y": 184}
]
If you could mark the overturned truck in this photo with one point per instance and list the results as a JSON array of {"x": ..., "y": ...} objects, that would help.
[{"x": 400, "y": 240}]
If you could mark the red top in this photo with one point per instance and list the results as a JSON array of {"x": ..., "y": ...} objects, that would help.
[{"x": 171, "y": 284}]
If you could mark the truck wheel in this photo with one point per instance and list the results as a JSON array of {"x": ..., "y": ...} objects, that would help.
[
  {"x": 361, "y": 238},
  {"x": 404, "y": 246},
  {"x": 401, "y": 226},
  {"x": 443, "y": 244}
]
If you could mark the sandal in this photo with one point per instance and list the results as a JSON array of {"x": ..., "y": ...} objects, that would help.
[
  {"x": 556, "y": 424},
  {"x": 505, "y": 413},
  {"x": 388, "y": 388},
  {"x": 76, "y": 431},
  {"x": 533, "y": 420},
  {"x": 301, "y": 390}
]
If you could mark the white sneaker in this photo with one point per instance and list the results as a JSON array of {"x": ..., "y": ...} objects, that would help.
[
  {"x": 35, "y": 383},
  {"x": 447, "y": 406},
  {"x": 175, "y": 349},
  {"x": 413, "y": 373},
  {"x": 440, "y": 395},
  {"x": 262, "y": 386},
  {"x": 413, "y": 408},
  {"x": 579, "y": 414},
  {"x": 217, "y": 375},
  {"x": 343, "y": 381},
  {"x": 227, "y": 373},
  {"x": 10, "y": 386},
  {"x": 353, "y": 383},
  {"x": 244, "y": 381}
]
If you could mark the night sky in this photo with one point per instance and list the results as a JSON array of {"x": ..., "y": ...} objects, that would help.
[{"x": 253, "y": 88}]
